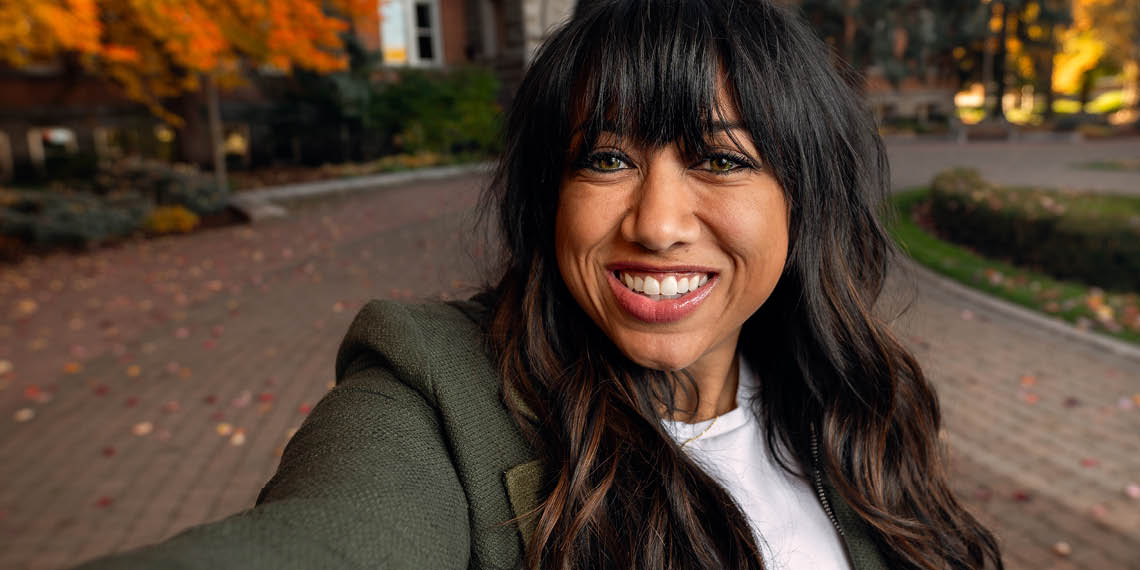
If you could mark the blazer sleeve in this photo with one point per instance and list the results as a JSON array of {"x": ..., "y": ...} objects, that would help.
[{"x": 366, "y": 482}]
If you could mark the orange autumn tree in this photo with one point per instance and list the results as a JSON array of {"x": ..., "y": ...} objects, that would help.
[{"x": 161, "y": 50}]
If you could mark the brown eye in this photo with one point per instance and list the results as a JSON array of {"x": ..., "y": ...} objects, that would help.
[
  {"x": 607, "y": 163},
  {"x": 725, "y": 163},
  {"x": 722, "y": 164}
]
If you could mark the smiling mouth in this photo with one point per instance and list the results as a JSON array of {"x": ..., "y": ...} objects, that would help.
[{"x": 662, "y": 286}]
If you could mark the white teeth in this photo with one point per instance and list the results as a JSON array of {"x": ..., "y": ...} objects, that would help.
[
  {"x": 670, "y": 286},
  {"x": 652, "y": 287}
]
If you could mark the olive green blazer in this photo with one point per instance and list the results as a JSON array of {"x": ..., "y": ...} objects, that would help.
[{"x": 410, "y": 462}]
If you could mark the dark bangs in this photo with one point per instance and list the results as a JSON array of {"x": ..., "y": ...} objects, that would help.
[{"x": 648, "y": 75}]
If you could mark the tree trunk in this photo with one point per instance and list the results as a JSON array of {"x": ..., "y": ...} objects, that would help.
[
  {"x": 999, "y": 64},
  {"x": 217, "y": 143},
  {"x": 193, "y": 136},
  {"x": 1047, "y": 72},
  {"x": 1088, "y": 80}
]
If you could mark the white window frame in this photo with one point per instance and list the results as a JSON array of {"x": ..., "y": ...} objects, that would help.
[{"x": 414, "y": 34}]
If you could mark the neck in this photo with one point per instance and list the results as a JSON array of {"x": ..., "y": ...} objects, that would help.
[{"x": 716, "y": 380}]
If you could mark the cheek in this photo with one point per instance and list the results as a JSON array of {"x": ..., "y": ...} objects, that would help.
[
  {"x": 567, "y": 237},
  {"x": 576, "y": 233},
  {"x": 758, "y": 238},
  {"x": 583, "y": 222}
]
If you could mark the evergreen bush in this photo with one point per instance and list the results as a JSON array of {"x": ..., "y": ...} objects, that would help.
[
  {"x": 164, "y": 184},
  {"x": 49, "y": 218},
  {"x": 115, "y": 204}
]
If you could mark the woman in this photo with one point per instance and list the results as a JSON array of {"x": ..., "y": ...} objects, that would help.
[{"x": 679, "y": 366}]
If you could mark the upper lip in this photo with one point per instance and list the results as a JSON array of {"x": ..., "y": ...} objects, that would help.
[{"x": 648, "y": 268}]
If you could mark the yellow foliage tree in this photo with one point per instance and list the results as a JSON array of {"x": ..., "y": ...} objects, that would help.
[
  {"x": 1101, "y": 28},
  {"x": 1081, "y": 51},
  {"x": 158, "y": 49}
]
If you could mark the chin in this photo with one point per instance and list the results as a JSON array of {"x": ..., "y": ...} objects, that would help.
[{"x": 665, "y": 360}]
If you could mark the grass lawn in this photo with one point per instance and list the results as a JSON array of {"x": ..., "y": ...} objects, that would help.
[
  {"x": 1113, "y": 313},
  {"x": 1121, "y": 165}
]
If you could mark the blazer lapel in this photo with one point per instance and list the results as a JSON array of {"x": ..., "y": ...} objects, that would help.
[{"x": 522, "y": 482}]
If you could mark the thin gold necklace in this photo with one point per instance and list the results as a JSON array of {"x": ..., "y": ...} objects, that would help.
[{"x": 699, "y": 435}]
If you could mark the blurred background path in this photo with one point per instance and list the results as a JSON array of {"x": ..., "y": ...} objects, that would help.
[
  {"x": 1060, "y": 165},
  {"x": 152, "y": 386}
]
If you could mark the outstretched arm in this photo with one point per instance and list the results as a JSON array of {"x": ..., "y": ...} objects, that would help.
[{"x": 366, "y": 482}]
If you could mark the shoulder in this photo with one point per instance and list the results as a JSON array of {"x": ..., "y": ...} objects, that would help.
[{"x": 431, "y": 347}]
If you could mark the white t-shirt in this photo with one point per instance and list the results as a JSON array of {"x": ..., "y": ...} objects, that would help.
[{"x": 790, "y": 525}]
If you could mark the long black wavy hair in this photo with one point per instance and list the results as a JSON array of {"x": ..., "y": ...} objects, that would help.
[{"x": 619, "y": 493}]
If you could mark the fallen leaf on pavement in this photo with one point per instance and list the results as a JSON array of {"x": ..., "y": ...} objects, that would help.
[
  {"x": 243, "y": 399},
  {"x": 1132, "y": 490}
]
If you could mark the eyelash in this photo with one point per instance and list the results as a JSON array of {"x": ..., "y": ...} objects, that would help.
[{"x": 742, "y": 162}]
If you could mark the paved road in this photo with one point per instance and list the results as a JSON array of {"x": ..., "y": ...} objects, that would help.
[
  {"x": 1053, "y": 164},
  {"x": 163, "y": 377}
]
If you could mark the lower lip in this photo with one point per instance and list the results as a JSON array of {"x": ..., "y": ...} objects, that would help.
[{"x": 645, "y": 309}]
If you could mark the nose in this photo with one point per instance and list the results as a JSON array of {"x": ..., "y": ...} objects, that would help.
[{"x": 663, "y": 214}]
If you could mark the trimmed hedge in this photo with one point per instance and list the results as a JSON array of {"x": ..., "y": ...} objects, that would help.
[{"x": 1091, "y": 238}]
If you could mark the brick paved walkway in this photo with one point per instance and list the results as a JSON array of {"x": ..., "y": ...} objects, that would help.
[
  {"x": 165, "y": 376},
  {"x": 1043, "y": 432}
]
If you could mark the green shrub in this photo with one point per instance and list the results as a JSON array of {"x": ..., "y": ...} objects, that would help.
[
  {"x": 446, "y": 112},
  {"x": 116, "y": 203},
  {"x": 50, "y": 218},
  {"x": 1090, "y": 238},
  {"x": 164, "y": 184}
]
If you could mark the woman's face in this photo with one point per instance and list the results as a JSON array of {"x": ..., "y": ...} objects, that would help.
[{"x": 670, "y": 255}]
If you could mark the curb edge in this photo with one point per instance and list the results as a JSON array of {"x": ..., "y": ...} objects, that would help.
[{"x": 1026, "y": 316}]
